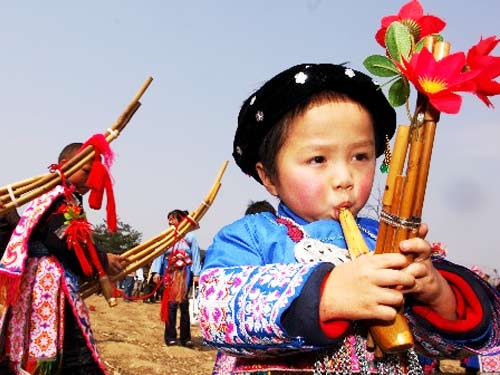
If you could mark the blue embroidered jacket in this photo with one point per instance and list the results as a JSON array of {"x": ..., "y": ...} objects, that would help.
[{"x": 256, "y": 300}]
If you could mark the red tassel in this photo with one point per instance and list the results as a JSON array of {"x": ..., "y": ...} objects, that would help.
[
  {"x": 96, "y": 183},
  {"x": 100, "y": 180},
  {"x": 78, "y": 232},
  {"x": 110, "y": 205},
  {"x": 93, "y": 256},
  {"x": 84, "y": 263},
  {"x": 164, "y": 305},
  {"x": 101, "y": 147}
]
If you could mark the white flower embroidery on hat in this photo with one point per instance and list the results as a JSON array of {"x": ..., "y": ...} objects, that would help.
[
  {"x": 238, "y": 150},
  {"x": 253, "y": 100},
  {"x": 301, "y": 78},
  {"x": 349, "y": 72},
  {"x": 259, "y": 116}
]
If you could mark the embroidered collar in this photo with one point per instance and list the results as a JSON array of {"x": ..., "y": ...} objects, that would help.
[{"x": 291, "y": 219}]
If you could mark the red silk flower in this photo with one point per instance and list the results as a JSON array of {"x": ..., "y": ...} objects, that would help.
[
  {"x": 412, "y": 16},
  {"x": 439, "y": 80},
  {"x": 489, "y": 67}
]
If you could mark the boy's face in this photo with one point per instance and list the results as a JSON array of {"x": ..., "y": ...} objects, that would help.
[
  {"x": 172, "y": 220},
  {"x": 326, "y": 162},
  {"x": 80, "y": 177}
]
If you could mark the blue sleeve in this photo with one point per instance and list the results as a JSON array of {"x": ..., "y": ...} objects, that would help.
[
  {"x": 156, "y": 266},
  {"x": 233, "y": 245},
  {"x": 195, "y": 254}
]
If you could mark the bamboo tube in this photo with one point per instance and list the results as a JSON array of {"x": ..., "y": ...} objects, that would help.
[
  {"x": 407, "y": 200},
  {"x": 50, "y": 180},
  {"x": 151, "y": 249},
  {"x": 431, "y": 117},
  {"x": 387, "y": 335},
  {"x": 353, "y": 238},
  {"x": 19, "y": 193},
  {"x": 390, "y": 231},
  {"x": 403, "y": 199},
  {"x": 400, "y": 338},
  {"x": 395, "y": 169}
]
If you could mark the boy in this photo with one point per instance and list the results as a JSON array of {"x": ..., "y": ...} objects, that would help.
[{"x": 45, "y": 327}]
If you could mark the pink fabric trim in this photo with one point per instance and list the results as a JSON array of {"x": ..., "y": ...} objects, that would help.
[{"x": 13, "y": 261}]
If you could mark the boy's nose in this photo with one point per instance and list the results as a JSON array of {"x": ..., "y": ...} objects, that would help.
[{"x": 342, "y": 178}]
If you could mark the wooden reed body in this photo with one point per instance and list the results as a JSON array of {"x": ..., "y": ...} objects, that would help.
[
  {"x": 389, "y": 337},
  {"x": 19, "y": 193},
  {"x": 406, "y": 202},
  {"x": 147, "y": 251},
  {"x": 403, "y": 200}
]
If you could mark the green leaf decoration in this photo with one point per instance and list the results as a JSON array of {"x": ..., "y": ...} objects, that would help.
[
  {"x": 399, "y": 41},
  {"x": 399, "y": 92},
  {"x": 381, "y": 66},
  {"x": 420, "y": 44}
]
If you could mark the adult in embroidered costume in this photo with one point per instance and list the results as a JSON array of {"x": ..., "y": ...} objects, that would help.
[
  {"x": 44, "y": 322},
  {"x": 281, "y": 294}
]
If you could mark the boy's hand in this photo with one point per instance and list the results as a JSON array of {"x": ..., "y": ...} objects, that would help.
[
  {"x": 366, "y": 288},
  {"x": 430, "y": 287},
  {"x": 116, "y": 264}
]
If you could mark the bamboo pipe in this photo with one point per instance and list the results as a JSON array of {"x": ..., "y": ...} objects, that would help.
[
  {"x": 388, "y": 335},
  {"x": 401, "y": 338},
  {"x": 35, "y": 182},
  {"x": 151, "y": 249},
  {"x": 431, "y": 117},
  {"x": 391, "y": 199},
  {"x": 19, "y": 193},
  {"x": 50, "y": 180}
]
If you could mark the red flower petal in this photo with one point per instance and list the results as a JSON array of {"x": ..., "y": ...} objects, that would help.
[
  {"x": 412, "y": 10},
  {"x": 387, "y": 20},
  {"x": 485, "y": 46},
  {"x": 448, "y": 102},
  {"x": 430, "y": 25},
  {"x": 478, "y": 58}
]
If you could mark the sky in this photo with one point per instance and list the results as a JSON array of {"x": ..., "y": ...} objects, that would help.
[{"x": 68, "y": 70}]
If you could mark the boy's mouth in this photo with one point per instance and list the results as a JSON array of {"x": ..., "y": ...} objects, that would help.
[{"x": 344, "y": 205}]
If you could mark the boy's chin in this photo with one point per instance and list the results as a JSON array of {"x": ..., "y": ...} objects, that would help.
[{"x": 82, "y": 191}]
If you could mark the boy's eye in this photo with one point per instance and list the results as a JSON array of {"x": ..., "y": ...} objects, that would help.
[
  {"x": 360, "y": 156},
  {"x": 318, "y": 159}
]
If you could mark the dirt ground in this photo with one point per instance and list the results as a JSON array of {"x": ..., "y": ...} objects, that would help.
[{"x": 130, "y": 340}]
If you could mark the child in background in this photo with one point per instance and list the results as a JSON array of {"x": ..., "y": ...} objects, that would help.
[{"x": 279, "y": 294}]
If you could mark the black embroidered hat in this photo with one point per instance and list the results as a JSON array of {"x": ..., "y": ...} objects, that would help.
[{"x": 266, "y": 106}]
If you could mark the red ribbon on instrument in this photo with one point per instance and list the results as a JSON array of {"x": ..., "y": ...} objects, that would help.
[{"x": 100, "y": 180}]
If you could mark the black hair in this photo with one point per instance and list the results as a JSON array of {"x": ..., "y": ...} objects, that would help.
[
  {"x": 69, "y": 151},
  {"x": 178, "y": 214},
  {"x": 260, "y": 206}
]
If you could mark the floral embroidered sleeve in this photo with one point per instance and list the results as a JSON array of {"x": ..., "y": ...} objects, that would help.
[
  {"x": 242, "y": 306},
  {"x": 477, "y": 327}
]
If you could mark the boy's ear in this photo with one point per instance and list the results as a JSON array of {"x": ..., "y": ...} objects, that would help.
[{"x": 267, "y": 181}]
